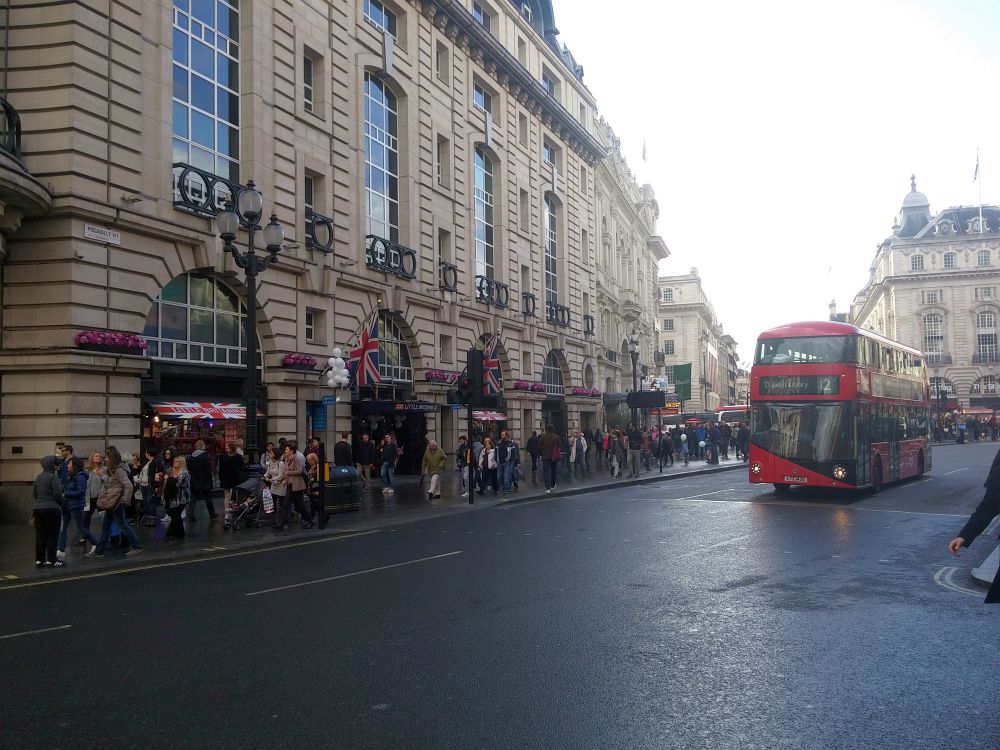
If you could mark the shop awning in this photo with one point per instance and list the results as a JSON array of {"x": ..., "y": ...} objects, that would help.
[
  {"x": 489, "y": 416},
  {"x": 200, "y": 410}
]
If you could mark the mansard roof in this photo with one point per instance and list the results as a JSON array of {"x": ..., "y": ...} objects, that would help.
[{"x": 962, "y": 221}]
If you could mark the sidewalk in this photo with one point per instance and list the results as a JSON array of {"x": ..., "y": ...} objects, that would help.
[{"x": 409, "y": 503}]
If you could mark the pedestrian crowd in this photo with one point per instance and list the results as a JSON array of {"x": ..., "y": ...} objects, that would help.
[{"x": 961, "y": 427}]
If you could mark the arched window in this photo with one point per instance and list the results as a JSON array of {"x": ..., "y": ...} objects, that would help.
[
  {"x": 552, "y": 375},
  {"x": 986, "y": 384},
  {"x": 986, "y": 337},
  {"x": 941, "y": 388},
  {"x": 551, "y": 244},
  {"x": 393, "y": 356},
  {"x": 484, "y": 214},
  {"x": 199, "y": 319},
  {"x": 933, "y": 337},
  {"x": 381, "y": 160}
]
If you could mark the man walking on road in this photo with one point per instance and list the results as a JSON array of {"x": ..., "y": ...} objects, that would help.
[
  {"x": 634, "y": 449},
  {"x": 435, "y": 460},
  {"x": 987, "y": 510},
  {"x": 507, "y": 459},
  {"x": 549, "y": 444}
]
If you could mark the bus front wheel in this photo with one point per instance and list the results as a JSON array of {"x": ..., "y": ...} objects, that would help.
[
  {"x": 782, "y": 489},
  {"x": 877, "y": 477}
]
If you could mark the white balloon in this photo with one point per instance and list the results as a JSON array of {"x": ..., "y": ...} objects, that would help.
[
  {"x": 337, "y": 363},
  {"x": 331, "y": 361},
  {"x": 345, "y": 380},
  {"x": 337, "y": 352}
]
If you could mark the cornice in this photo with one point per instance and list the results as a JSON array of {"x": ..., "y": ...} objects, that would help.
[{"x": 459, "y": 25}]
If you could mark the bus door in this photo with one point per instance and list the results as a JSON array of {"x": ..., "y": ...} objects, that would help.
[
  {"x": 898, "y": 433},
  {"x": 864, "y": 472}
]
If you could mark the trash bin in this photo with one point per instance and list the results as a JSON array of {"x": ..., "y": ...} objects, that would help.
[{"x": 343, "y": 490}]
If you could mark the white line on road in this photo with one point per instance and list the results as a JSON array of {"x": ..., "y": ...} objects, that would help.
[
  {"x": 703, "y": 494},
  {"x": 351, "y": 575},
  {"x": 34, "y": 632},
  {"x": 943, "y": 578},
  {"x": 717, "y": 544},
  {"x": 955, "y": 471}
]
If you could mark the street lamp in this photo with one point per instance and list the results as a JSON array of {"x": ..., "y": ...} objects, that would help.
[
  {"x": 249, "y": 205},
  {"x": 633, "y": 351}
]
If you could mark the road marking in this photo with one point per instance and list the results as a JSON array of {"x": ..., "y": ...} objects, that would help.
[
  {"x": 35, "y": 632},
  {"x": 944, "y": 578},
  {"x": 10, "y": 578},
  {"x": 351, "y": 575},
  {"x": 704, "y": 494},
  {"x": 803, "y": 504},
  {"x": 716, "y": 545},
  {"x": 955, "y": 471},
  {"x": 176, "y": 563}
]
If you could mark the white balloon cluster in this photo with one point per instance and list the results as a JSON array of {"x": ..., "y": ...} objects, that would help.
[{"x": 336, "y": 373}]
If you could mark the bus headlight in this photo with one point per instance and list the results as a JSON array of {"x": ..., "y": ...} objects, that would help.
[
  {"x": 755, "y": 467},
  {"x": 839, "y": 472}
]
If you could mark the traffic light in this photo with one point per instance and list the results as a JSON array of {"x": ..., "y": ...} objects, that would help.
[
  {"x": 461, "y": 393},
  {"x": 474, "y": 371}
]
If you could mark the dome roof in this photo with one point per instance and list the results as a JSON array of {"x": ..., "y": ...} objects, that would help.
[{"x": 915, "y": 197}]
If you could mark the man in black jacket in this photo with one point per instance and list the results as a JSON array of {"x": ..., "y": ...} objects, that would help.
[
  {"x": 366, "y": 459},
  {"x": 199, "y": 466},
  {"x": 988, "y": 509},
  {"x": 342, "y": 452}
]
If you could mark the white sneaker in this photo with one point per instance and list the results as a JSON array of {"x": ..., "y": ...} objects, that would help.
[
  {"x": 465, "y": 494},
  {"x": 60, "y": 554},
  {"x": 93, "y": 551},
  {"x": 548, "y": 492}
]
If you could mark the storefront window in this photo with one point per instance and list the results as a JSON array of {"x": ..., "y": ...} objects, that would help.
[
  {"x": 197, "y": 319},
  {"x": 393, "y": 356}
]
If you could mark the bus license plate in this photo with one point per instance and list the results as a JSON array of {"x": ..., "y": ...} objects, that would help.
[{"x": 796, "y": 479}]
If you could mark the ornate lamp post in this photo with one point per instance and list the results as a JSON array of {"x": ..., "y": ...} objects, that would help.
[
  {"x": 249, "y": 205},
  {"x": 633, "y": 351}
]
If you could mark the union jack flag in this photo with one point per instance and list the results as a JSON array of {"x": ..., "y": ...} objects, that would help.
[
  {"x": 492, "y": 382},
  {"x": 365, "y": 358}
]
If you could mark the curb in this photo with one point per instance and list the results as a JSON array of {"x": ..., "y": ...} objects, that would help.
[
  {"x": 161, "y": 557},
  {"x": 625, "y": 483}
]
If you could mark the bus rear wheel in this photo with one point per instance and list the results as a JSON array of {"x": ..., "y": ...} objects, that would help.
[
  {"x": 877, "y": 477},
  {"x": 782, "y": 489}
]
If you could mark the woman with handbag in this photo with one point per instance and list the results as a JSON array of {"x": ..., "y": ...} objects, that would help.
[
  {"x": 117, "y": 495},
  {"x": 274, "y": 480},
  {"x": 295, "y": 488},
  {"x": 488, "y": 466},
  {"x": 176, "y": 495}
]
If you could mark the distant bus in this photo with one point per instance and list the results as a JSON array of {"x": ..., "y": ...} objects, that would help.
[
  {"x": 833, "y": 405},
  {"x": 733, "y": 414}
]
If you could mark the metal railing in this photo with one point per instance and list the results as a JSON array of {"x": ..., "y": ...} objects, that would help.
[
  {"x": 10, "y": 134},
  {"x": 202, "y": 192},
  {"x": 492, "y": 292},
  {"x": 387, "y": 256}
]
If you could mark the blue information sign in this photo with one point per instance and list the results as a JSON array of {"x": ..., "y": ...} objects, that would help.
[{"x": 329, "y": 400}]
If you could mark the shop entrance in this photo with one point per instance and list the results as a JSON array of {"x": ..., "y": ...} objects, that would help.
[
  {"x": 554, "y": 413},
  {"x": 407, "y": 419}
]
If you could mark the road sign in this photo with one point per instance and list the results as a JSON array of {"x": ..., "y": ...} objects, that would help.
[
  {"x": 456, "y": 407},
  {"x": 329, "y": 400}
]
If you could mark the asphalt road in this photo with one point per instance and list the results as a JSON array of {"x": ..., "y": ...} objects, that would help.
[{"x": 697, "y": 613}]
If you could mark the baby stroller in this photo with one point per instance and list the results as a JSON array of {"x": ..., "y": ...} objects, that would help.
[{"x": 245, "y": 506}]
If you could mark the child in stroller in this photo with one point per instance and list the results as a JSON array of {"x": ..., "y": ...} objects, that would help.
[{"x": 245, "y": 505}]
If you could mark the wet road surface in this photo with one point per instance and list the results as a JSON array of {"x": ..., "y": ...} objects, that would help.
[{"x": 703, "y": 613}]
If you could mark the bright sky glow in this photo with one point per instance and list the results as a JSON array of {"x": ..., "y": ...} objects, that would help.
[{"x": 781, "y": 135}]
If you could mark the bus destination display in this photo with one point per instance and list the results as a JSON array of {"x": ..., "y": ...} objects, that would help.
[{"x": 799, "y": 385}]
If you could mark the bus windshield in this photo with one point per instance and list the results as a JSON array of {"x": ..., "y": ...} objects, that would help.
[
  {"x": 821, "y": 431},
  {"x": 806, "y": 350}
]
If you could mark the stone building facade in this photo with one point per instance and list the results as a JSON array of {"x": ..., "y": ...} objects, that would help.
[
  {"x": 690, "y": 332},
  {"x": 435, "y": 159},
  {"x": 934, "y": 285},
  {"x": 627, "y": 258}
]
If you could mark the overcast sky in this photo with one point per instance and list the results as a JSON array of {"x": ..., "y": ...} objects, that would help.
[{"x": 781, "y": 135}]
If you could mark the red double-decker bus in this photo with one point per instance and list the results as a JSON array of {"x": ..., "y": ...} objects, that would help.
[{"x": 833, "y": 405}]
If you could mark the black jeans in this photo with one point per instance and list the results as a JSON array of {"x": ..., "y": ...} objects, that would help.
[
  {"x": 549, "y": 469},
  {"x": 176, "y": 528},
  {"x": 48, "y": 521},
  {"x": 488, "y": 475},
  {"x": 296, "y": 498},
  {"x": 195, "y": 497}
]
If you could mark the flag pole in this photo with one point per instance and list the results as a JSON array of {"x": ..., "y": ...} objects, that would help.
[{"x": 979, "y": 183}]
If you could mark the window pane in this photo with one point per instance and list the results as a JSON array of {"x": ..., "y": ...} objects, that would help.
[
  {"x": 202, "y": 291},
  {"x": 180, "y": 47},
  {"x": 175, "y": 291},
  {"x": 227, "y": 330},
  {"x": 225, "y": 299},
  {"x": 173, "y": 322},
  {"x": 203, "y": 132},
  {"x": 180, "y": 83},
  {"x": 152, "y": 327},
  {"x": 180, "y": 120},
  {"x": 201, "y": 326},
  {"x": 203, "y": 58}
]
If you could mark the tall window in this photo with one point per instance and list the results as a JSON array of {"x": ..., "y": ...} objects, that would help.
[
  {"x": 668, "y": 295},
  {"x": 547, "y": 84},
  {"x": 668, "y": 324},
  {"x": 393, "y": 356},
  {"x": 986, "y": 336},
  {"x": 381, "y": 160},
  {"x": 552, "y": 375},
  {"x": 307, "y": 83},
  {"x": 668, "y": 347},
  {"x": 950, "y": 260},
  {"x": 933, "y": 338},
  {"x": 308, "y": 200},
  {"x": 482, "y": 98},
  {"x": 379, "y": 16},
  {"x": 206, "y": 88},
  {"x": 917, "y": 263},
  {"x": 481, "y": 15},
  {"x": 551, "y": 245},
  {"x": 484, "y": 214},
  {"x": 197, "y": 319},
  {"x": 984, "y": 258},
  {"x": 548, "y": 153}
]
